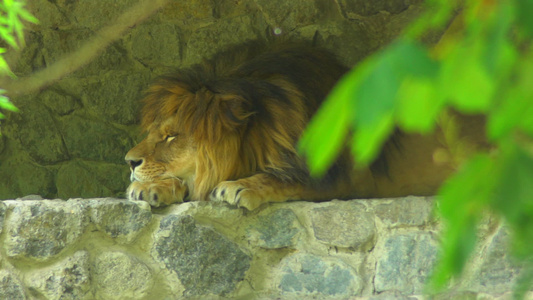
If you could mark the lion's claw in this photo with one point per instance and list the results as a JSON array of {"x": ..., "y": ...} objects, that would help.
[
  {"x": 236, "y": 194},
  {"x": 157, "y": 193}
]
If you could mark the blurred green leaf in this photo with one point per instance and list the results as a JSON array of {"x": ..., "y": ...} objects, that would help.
[
  {"x": 524, "y": 11},
  {"x": 419, "y": 104},
  {"x": 514, "y": 193},
  {"x": 368, "y": 139},
  {"x": 466, "y": 83},
  {"x": 326, "y": 133},
  {"x": 462, "y": 201}
]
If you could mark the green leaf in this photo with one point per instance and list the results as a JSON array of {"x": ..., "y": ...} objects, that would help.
[
  {"x": 462, "y": 201},
  {"x": 499, "y": 53},
  {"x": 6, "y": 35},
  {"x": 376, "y": 93},
  {"x": 324, "y": 137},
  {"x": 24, "y": 14},
  {"x": 6, "y": 104},
  {"x": 513, "y": 195},
  {"x": 524, "y": 11},
  {"x": 465, "y": 82},
  {"x": 418, "y": 105},
  {"x": 368, "y": 140},
  {"x": 513, "y": 112}
]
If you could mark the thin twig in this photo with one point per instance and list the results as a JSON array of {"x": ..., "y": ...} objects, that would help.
[{"x": 85, "y": 53}]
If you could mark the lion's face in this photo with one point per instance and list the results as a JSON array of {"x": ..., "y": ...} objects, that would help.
[{"x": 164, "y": 153}]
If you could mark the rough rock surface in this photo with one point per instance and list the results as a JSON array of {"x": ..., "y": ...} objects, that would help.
[{"x": 117, "y": 249}]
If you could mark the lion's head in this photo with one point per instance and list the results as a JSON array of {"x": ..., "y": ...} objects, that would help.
[{"x": 196, "y": 134}]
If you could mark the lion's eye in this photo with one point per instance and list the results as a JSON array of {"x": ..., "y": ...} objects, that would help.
[{"x": 169, "y": 138}]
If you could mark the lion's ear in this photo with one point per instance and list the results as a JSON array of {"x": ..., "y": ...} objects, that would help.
[{"x": 233, "y": 110}]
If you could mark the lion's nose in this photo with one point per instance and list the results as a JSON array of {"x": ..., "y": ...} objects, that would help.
[{"x": 134, "y": 163}]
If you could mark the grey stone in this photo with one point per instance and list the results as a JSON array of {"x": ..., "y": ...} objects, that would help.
[
  {"x": 157, "y": 44},
  {"x": 47, "y": 13},
  {"x": 59, "y": 43},
  {"x": 94, "y": 140},
  {"x": 36, "y": 131},
  {"x": 115, "y": 97},
  {"x": 405, "y": 262},
  {"x": 59, "y": 102},
  {"x": 359, "y": 9},
  {"x": 207, "y": 41},
  {"x": 277, "y": 229},
  {"x": 497, "y": 273},
  {"x": 104, "y": 12},
  {"x": 287, "y": 15},
  {"x": 3, "y": 211},
  {"x": 67, "y": 279},
  {"x": 41, "y": 229},
  {"x": 190, "y": 11},
  {"x": 120, "y": 276},
  {"x": 10, "y": 287},
  {"x": 409, "y": 211},
  {"x": 205, "y": 261},
  {"x": 346, "y": 225},
  {"x": 91, "y": 179},
  {"x": 119, "y": 219},
  {"x": 458, "y": 295},
  {"x": 307, "y": 273},
  {"x": 21, "y": 176},
  {"x": 31, "y": 197}
]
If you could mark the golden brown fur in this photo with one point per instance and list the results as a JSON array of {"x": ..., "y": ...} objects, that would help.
[{"x": 227, "y": 130}]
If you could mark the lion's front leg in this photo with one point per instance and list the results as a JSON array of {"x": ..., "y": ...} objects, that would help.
[
  {"x": 158, "y": 193},
  {"x": 253, "y": 191}
]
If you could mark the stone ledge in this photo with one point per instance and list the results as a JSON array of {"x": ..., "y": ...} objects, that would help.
[{"x": 118, "y": 249}]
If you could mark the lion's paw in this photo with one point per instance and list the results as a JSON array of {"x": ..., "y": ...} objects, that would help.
[
  {"x": 236, "y": 194},
  {"x": 157, "y": 193}
]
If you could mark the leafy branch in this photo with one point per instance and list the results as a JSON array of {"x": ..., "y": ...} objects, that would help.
[
  {"x": 484, "y": 66},
  {"x": 12, "y": 13}
]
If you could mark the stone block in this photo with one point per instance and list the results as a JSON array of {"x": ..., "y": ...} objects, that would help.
[
  {"x": 305, "y": 274},
  {"x": 345, "y": 225},
  {"x": 96, "y": 140},
  {"x": 57, "y": 44},
  {"x": 3, "y": 210},
  {"x": 67, "y": 279},
  {"x": 21, "y": 176},
  {"x": 120, "y": 276},
  {"x": 275, "y": 229},
  {"x": 10, "y": 287},
  {"x": 40, "y": 230},
  {"x": 287, "y": 15},
  {"x": 359, "y": 9},
  {"x": 59, "y": 102},
  {"x": 206, "y": 41},
  {"x": 95, "y": 13},
  {"x": 157, "y": 44},
  {"x": 36, "y": 131},
  {"x": 115, "y": 97},
  {"x": 119, "y": 219},
  {"x": 91, "y": 179},
  {"x": 409, "y": 211},
  {"x": 497, "y": 271},
  {"x": 47, "y": 13},
  {"x": 192, "y": 10},
  {"x": 205, "y": 261},
  {"x": 405, "y": 262}
]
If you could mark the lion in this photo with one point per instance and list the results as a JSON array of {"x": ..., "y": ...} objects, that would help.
[{"x": 227, "y": 130}]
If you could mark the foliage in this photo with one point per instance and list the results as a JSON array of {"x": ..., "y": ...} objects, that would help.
[
  {"x": 12, "y": 13},
  {"x": 485, "y": 67}
]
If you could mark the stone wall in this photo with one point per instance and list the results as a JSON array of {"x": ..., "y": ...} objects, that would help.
[
  {"x": 69, "y": 139},
  {"x": 118, "y": 249}
]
